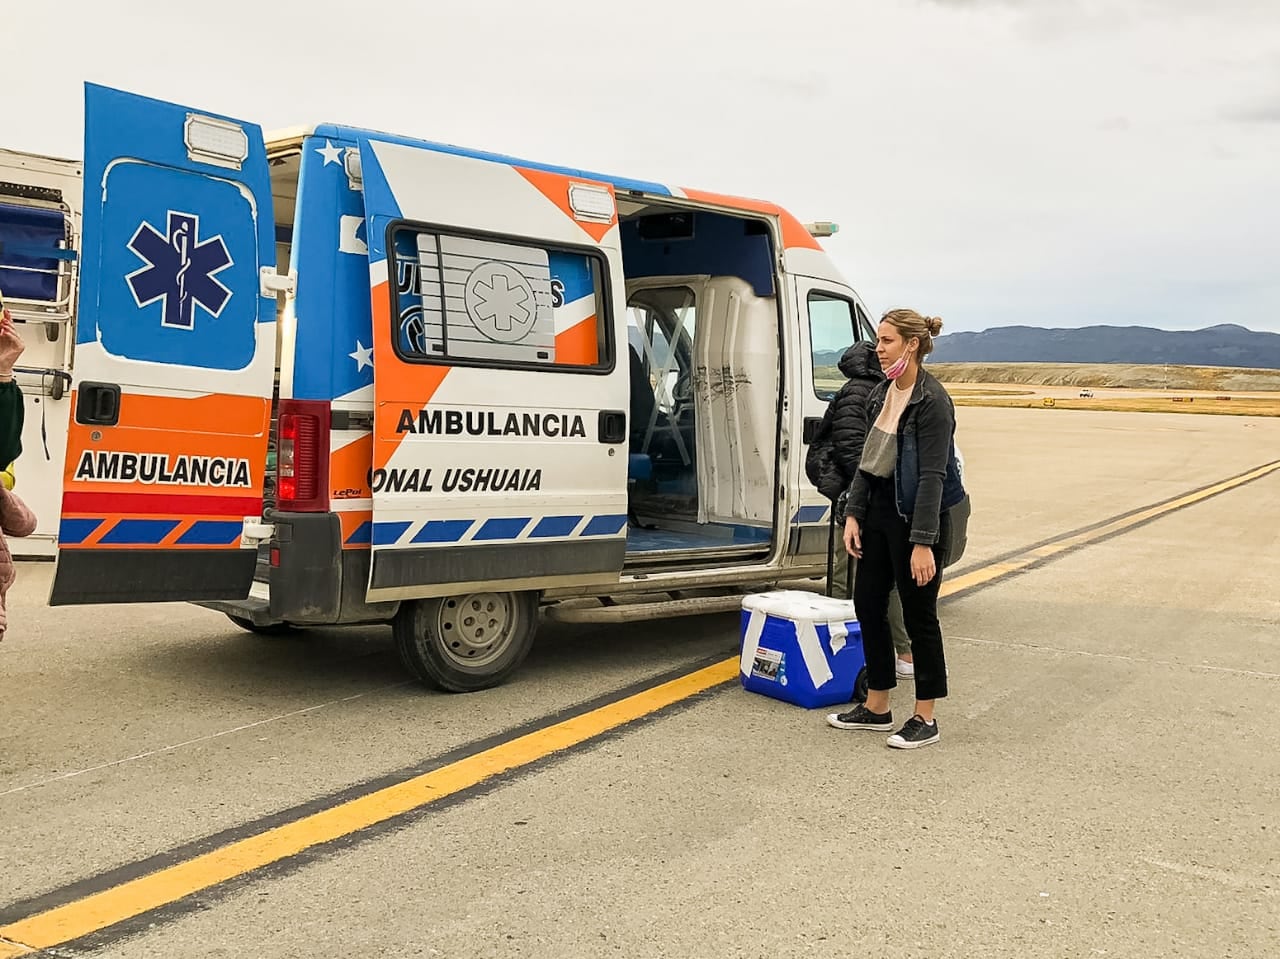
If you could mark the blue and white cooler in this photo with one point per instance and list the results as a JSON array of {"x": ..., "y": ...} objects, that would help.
[{"x": 801, "y": 647}]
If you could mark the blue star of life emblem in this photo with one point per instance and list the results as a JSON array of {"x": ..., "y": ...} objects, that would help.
[{"x": 181, "y": 270}]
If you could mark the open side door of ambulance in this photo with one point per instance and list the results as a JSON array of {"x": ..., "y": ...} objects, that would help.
[
  {"x": 175, "y": 357},
  {"x": 501, "y": 379}
]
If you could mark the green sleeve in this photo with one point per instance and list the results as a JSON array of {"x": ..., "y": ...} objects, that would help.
[{"x": 12, "y": 414}]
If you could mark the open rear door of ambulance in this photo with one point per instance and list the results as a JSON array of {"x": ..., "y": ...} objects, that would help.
[
  {"x": 175, "y": 357},
  {"x": 501, "y": 378}
]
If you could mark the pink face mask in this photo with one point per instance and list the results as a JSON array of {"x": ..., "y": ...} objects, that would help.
[{"x": 899, "y": 367}]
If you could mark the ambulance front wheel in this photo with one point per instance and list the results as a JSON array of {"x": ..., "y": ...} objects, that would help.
[{"x": 465, "y": 643}]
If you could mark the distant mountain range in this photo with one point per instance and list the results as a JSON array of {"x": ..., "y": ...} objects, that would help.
[{"x": 1224, "y": 345}]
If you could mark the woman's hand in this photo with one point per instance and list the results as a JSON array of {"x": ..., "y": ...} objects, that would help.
[
  {"x": 923, "y": 568},
  {"x": 11, "y": 345},
  {"x": 852, "y": 537}
]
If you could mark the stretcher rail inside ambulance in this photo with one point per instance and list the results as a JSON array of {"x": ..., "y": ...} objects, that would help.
[{"x": 334, "y": 376}]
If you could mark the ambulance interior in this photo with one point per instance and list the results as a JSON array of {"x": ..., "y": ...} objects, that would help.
[
  {"x": 702, "y": 347},
  {"x": 702, "y": 350}
]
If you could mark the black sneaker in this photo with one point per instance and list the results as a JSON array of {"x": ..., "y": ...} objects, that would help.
[
  {"x": 861, "y": 718},
  {"x": 914, "y": 734}
]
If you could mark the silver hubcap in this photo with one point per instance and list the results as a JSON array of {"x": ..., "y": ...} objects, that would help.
[{"x": 475, "y": 630}]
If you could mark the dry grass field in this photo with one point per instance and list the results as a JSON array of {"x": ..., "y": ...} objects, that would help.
[
  {"x": 1139, "y": 389},
  {"x": 1178, "y": 403},
  {"x": 1211, "y": 379}
]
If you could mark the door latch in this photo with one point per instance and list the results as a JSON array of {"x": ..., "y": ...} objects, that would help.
[
  {"x": 98, "y": 404},
  {"x": 613, "y": 426}
]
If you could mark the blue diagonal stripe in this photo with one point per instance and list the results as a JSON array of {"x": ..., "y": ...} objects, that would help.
[
  {"x": 609, "y": 525},
  {"x": 138, "y": 532},
  {"x": 503, "y": 528},
  {"x": 362, "y": 535},
  {"x": 72, "y": 531},
  {"x": 385, "y": 534},
  {"x": 810, "y": 514},
  {"x": 551, "y": 526},
  {"x": 443, "y": 531},
  {"x": 211, "y": 533}
]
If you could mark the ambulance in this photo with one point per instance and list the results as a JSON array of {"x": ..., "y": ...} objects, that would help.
[{"x": 340, "y": 376}]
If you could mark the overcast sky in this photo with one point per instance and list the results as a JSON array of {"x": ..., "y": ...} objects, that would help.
[{"x": 1047, "y": 162}]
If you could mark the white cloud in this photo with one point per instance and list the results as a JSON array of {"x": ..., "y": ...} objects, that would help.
[{"x": 990, "y": 161}]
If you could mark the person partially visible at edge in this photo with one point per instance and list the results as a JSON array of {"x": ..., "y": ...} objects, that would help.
[
  {"x": 16, "y": 519},
  {"x": 12, "y": 411},
  {"x": 832, "y": 461},
  {"x": 898, "y": 526}
]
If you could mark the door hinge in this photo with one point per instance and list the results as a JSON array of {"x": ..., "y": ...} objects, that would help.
[
  {"x": 272, "y": 283},
  {"x": 351, "y": 420}
]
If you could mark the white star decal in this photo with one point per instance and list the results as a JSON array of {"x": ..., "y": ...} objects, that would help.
[
  {"x": 331, "y": 153},
  {"x": 363, "y": 356}
]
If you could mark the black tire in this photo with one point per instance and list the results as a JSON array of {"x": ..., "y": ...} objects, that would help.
[
  {"x": 273, "y": 629},
  {"x": 461, "y": 644},
  {"x": 860, "y": 686}
]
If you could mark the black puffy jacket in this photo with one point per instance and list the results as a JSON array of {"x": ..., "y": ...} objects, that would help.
[{"x": 836, "y": 449}]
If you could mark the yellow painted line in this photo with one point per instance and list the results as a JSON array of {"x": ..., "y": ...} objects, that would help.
[
  {"x": 979, "y": 577},
  {"x": 98, "y": 911},
  {"x": 10, "y": 949}
]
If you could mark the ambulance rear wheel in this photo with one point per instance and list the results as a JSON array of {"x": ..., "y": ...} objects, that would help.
[{"x": 465, "y": 643}]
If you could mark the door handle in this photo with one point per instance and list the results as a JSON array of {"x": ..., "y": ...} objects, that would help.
[
  {"x": 98, "y": 404},
  {"x": 613, "y": 426},
  {"x": 811, "y": 424}
]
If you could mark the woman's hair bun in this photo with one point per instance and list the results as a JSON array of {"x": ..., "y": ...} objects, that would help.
[{"x": 933, "y": 324}]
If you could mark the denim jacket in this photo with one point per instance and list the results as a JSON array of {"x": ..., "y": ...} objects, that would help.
[{"x": 926, "y": 475}]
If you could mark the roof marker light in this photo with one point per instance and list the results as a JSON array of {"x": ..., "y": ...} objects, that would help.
[
  {"x": 822, "y": 228},
  {"x": 591, "y": 203},
  {"x": 217, "y": 142}
]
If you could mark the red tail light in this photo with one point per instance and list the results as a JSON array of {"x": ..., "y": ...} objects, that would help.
[{"x": 302, "y": 456}]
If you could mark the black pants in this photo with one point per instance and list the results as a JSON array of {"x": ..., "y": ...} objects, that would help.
[{"x": 886, "y": 561}]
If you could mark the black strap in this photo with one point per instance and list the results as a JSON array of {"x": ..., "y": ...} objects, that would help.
[{"x": 831, "y": 549}]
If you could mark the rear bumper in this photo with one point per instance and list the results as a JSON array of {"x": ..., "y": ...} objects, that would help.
[
  {"x": 256, "y": 609},
  {"x": 314, "y": 582}
]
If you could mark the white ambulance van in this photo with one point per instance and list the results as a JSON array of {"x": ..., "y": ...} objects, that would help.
[
  {"x": 344, "y": 377},
  {"x": 40, "y": 200}
]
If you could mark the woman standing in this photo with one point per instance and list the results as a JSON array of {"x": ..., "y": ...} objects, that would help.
[{"x": 897, "y": 524}]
